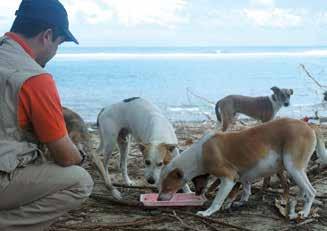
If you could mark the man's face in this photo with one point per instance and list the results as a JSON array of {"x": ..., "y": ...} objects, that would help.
[{"x": 49, "y": 48}]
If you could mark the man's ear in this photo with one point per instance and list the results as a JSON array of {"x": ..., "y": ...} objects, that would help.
[
  {"x": 275, "y": 89},
  {"x": 47, "y": 35}
]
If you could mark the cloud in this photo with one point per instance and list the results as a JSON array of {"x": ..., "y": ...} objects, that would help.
[
  {"x": 262, "y": 3},
  {"x": 322, "y": 19},
  {"x": 7, "y": 11},
  {"x": 273, "y": 18},
  {"x": 128, "y": 12},
  {"x": 164, "y": 13}
]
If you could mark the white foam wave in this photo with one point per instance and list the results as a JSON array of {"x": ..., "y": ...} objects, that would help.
[
  {"x": 218, "y": 55},
  {"x": 181, "y": 109}
]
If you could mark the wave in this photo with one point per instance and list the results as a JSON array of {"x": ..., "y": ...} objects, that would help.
[
  {"x": 185, "y": 109},
  {"x": 217, "y": 55}
]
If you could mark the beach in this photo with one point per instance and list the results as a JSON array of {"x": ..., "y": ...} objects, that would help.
[
  {"x": 102, "y": 212},
  {"x": 185, "y": 83}
]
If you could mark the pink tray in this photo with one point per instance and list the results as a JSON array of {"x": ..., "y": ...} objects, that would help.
[{"x": 179, "y": 199}]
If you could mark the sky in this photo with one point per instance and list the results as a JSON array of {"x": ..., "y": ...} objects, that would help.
[{"x": 191, "y": 22}]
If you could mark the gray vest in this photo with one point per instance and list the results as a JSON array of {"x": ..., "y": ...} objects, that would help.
[{"x": 17, "y": 147}]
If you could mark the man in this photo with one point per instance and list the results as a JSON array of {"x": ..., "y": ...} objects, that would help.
[{"x": 34, "y": 192}]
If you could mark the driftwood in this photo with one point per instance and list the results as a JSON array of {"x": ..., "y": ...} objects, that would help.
[
  {"x": 143, "y": 221},
  {"x": 299, "y": 224},
  {"x": 163, "y": 210},
  {"x": 135, "y": 186},
  {"x": 188, "y": 227},
  {"x": 131, "y": 203},
  {"x": 214, "y": 221}
]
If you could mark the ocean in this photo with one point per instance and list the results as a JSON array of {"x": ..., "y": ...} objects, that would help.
[{"x": 185, "y": 82}]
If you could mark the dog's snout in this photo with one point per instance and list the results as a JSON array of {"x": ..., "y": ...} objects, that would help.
[
  {"x": 164, "y": 197},
  {"x": 151, "y": 180}
]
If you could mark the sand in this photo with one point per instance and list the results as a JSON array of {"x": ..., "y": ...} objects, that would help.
[{"x": 101, "y": 212}]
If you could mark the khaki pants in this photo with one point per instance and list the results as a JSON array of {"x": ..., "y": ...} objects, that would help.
[{"x": 38, "y": 194}]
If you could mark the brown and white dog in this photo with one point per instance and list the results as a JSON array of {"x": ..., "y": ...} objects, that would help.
[
  {"x": 153, "y": 132},
  {"x": 246, "y": 156},
  {"x": 262, "y": 108}
]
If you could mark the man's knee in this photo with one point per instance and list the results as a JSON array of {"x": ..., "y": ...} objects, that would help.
[{"x": 82, "y": 181}]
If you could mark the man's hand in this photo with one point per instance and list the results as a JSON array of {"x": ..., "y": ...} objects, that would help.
[{"x": 64, "y": 152}]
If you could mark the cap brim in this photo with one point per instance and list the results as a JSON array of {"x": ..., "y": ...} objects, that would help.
[{"x": 70, "y": 37}]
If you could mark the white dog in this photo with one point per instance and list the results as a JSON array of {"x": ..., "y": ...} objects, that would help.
[
  {"x": 145, "y": 122},
  {"x": 246, "y": 156}
]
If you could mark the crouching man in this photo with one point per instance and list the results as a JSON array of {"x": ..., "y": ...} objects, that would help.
[{"x": 33, "y": 193}]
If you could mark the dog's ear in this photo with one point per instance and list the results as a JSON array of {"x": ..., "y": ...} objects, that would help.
[
  {"x": 275, "y": 89},
  {"x": 170, "y": 147},
  {"x": 200, "y": 183},
  {"x": 142, "y": 147},
  {"x": 290, "y": 91},
  {"x": 166, "y": 151},
  {"x": 178, "y": 173}
]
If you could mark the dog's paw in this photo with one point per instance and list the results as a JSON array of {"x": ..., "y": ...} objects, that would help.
[
  {"x": 238, "y": 204},
  {"x": 116, "y": 194},
  {"x": 227, "y": 204},
  {"x": 130, "y": 183},
  {"x": 186, "y": 189},
  {"x": 203, "y": 213},
  {"x": 303, "y": 214}
]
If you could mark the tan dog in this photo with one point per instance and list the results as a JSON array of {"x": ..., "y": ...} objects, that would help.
[
  {"x": 246, "y": 156},
  {"x": 260, "y": 108},
  {"x": 77, "y": 129}
]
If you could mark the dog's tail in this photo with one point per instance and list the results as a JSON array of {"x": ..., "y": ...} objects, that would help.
[
  {"x": 217, "y": 110},
  {"x": 320, "y": 147},
  {"x": 99, "y": 116},
  {"x": 100, "y": 147}
]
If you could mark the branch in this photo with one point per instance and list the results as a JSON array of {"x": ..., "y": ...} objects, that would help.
[
  {"x": 200, "y": 97},
  {"x": 138, "y": 222},
  {"x": 124, "y": 202},
  {"x": 311, "y": 77},
  {"x": 181, "y": 221},
  {"x": 215, "y": 221}
]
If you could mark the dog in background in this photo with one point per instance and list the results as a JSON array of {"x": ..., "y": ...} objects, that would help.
[
  {"x": 246, "y": 156},
  {"x": 153, "y": 132},
  {"x": 262, "y": 108}
]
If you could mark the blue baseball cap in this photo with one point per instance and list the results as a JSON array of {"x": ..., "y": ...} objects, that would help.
[{"x": 51, "y": 12}]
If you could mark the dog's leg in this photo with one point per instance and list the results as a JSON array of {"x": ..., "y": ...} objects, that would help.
[
  {"x": 227, "y": 119},
  {"x": 284, "y": 183},
  {"x": 301, "y": 179},
  {"x": 124, "y": 145},
  {"x": 245, "y": 194},
  {"x": 266, "y": 182},
  {"x": 108, "y": 136},
  {"x": 225, "y": 187},
  {"x": 186, "y": 188},
  {"x": 232, "y": 196},
  {"x": 114, "y": 191}
]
